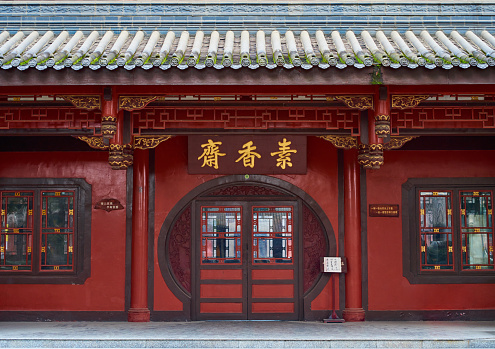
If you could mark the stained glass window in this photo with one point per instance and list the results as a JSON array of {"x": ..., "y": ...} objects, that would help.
[
  {"x": 16, "y": 230},
  {"x": 476, "y": 229},
  {"x": 272, "y": 234},
  {"x": 221, "y": 235},
  {"x": 436, "y": 230},
  {"x": 461, "y": 244},
  {"x": 38, "y": 231}
]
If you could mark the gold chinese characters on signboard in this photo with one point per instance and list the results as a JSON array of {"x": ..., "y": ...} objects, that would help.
[
  {"x": 384, "y": 210},
  {"x": 243, "y": 154},
  {"x": 211, "y": 152}
]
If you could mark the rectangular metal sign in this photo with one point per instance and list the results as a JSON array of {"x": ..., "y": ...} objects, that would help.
[
  {"x": 247, "y": 154},
  {"x": 384, "y": 210}
]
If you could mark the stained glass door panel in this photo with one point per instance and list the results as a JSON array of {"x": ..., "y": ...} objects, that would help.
[
  {"x": 221, "y": 279},
  {"x": 272, "y": 282},
  {"x": 246, "y": 262}
]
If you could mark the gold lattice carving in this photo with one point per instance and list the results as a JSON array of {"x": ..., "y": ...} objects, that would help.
[
  {"x": 342, "y": 142},
  {"x": 94, "y": 142},
  {"x": 84, "y": 102},
  {"x": 149, "y": 142},
  {"x": 131, "y": 103},
  {"x": 397, "y": 142},
  {"x": 407, "y": 101},
  {"x": 357, "y": 102}
]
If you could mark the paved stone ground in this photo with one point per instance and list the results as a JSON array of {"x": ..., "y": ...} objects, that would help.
[{"x": 247, "y": 334}]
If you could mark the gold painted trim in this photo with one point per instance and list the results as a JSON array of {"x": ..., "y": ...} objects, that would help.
[
  {"x": 149, "y": 142},
  {"x": 397, "y": 142},
  {"x": 407, "y": 101},
  {"x": 94, "y": 142},
  {"x": 357, "y": 102},
  {"x": 342, "y": 142},
  {"x": 131, "y": 103},
  {"x": 84, "y": 102}
]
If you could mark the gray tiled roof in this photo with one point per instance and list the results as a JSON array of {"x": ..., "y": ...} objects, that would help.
[{"x": 238, "y": 49}]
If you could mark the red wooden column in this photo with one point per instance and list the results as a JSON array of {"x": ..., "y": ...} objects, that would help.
[
  {"x": 352, "y": 220},
  {"x": 139, "y": 311}
]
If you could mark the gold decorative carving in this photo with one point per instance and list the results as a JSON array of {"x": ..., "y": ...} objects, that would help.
[
  {"x": 116, "y": 157},
  {"x": 128, "y": 153},
  {"x": 397, "y": 142},
  {"x": 357, "y": 102},
  {"x": 363, "y": 155},
  {"x": 149, "y": 142},
  {"x": 108, "y": 126},
  {"x": 407, "y": 101},
  {"x": 342, "y": 142},
  {"x": 370, "y": 156},
  {"x": 120, "y": 157},
  {"x": 84, "y": 102},
  {"x": 94, "y": 142},
  {"x": 382, "y": 125},
  {"x": 131, "y": 103}
]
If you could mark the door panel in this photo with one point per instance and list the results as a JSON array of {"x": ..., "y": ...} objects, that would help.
[
  {"x": 246, "y": 261},
  {"x": 272, "y": 274}
]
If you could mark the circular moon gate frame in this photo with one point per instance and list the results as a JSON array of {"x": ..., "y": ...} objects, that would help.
[{"x": 175, "y": 245}]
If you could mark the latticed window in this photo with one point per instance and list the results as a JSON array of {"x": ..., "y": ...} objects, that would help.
[
  {"x": 450, "y": 237},
  {"x": 221, "y": 231},
  {"x": 474, "y": 230},
  {"x": 42, "y": 228}
]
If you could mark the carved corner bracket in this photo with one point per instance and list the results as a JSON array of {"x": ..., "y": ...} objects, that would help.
[
  {"x": 357, "y": 102},
  {"x": 84, "y": 102},
  {"x": 131, "y": 103},
  {"x": 407, "y": 101},
  {"x": 342, "y": 142},
  {"x": 149, "y": 142},
  {"x": 397, "y": 142},
  {"x": 94, "y": 142}
]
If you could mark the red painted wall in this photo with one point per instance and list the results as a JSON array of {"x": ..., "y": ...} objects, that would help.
[
  {"x": 173, "y": 182},
  {"x": 104, "y": 290},
  {"x": 388, "y": 289}
]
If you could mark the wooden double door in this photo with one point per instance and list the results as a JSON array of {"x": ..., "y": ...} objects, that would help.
[{"x": 246, "y": 260}]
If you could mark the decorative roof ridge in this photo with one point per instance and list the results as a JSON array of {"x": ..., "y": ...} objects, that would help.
[{"x": 265, "y": 14}]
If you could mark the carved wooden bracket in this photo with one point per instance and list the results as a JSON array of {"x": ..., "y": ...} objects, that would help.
[
  {"x": 407, "y": 101},
  {"x": 140, "y": 142},
  {"x": 357, "y": 102},
  {"x": 149, "y": 142},
  {"x": 84, "y": 102},
  {"x": 131, "y": 103},
  {"x": 397, "y": 142},
  {"x": 94, "y": 142},
  {"x": 342, "y": 142}
]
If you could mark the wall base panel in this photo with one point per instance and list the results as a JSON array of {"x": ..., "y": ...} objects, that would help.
[
  {"x": 63, "y": 316},
  {"x": 170, "y": 316},
  {"x": 431, "y": 315}
]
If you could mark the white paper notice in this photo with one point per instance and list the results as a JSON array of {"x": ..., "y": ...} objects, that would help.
[{"x": 332, "y": 264}]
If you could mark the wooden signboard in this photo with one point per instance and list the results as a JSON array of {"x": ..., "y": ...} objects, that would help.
[
  {"x": 384, "y": 210},
  {"x": 247, "y": 154},
  {"x": 109, "y": 205}
]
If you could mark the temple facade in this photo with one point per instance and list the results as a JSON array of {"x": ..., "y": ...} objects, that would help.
[{"x": 237, "y": 161}]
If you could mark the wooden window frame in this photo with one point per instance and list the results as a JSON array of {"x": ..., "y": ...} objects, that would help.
[
  {"x": 410, "y": 231},
  {"x": 82, "y": 239}
]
